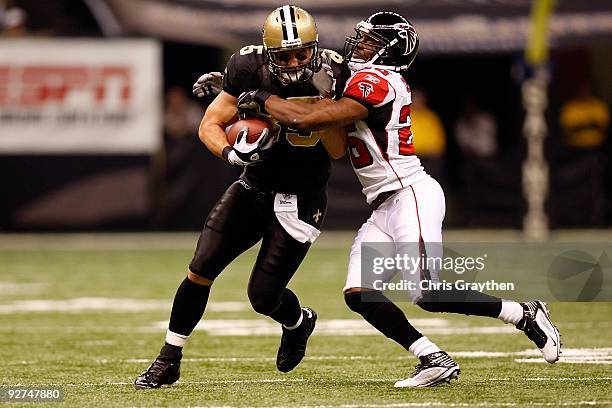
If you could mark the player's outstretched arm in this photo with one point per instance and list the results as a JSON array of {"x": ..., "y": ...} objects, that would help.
[
  {"x": 220, "y": 114},
  {"x": 324, "y": 114}
]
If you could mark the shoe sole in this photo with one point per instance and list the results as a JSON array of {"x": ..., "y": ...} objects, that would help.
[
  {"x": 146, "y": 387},
  {"x": 445, "y": 377},
  {"x": 546, "y": 322}
]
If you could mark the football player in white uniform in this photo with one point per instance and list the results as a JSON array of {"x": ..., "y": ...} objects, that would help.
[{"x": 408, "y": 205}]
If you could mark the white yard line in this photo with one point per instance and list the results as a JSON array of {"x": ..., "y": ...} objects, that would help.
[
  {"x": 551, "y": 379},
  {"x": 211, "y": 382},
  {"x": 449, "y": 404},
  {"x": 564, "y": 360},
  {"x": 337, "y": 327},
  {"x": 454, "y": 404},
  {"x": 569, "y": 379},
  {"x": 15, "y": 288},
  {"x": 119, "y": 305},
  {"x": 245, "y": 359},
  {"x": 570, "y": 355},
  {"x": 278, "y": 380}
]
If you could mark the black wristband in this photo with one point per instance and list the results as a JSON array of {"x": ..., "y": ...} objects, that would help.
[
  {"x": 261, "y": 97},
  {"x": 225, "y": 153}
]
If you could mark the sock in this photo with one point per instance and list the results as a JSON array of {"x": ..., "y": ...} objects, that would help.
[
  {"x": 511, "y": 312},
  {"x": 187, "y": 310},
  {"x": 468, "y": 302},
  {"x": 176, "y": 339},
  {"x": 288, "y": 311},
  {"x": 423, "y": 347},
  {"x": 385, "y": 316}
]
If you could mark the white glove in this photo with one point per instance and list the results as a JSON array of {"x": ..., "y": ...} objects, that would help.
[
  {"x": 244, "y": 153},
  {"x": 324, "y": 81},
  {"x": 232, "y": 158},
  {"x": 208, "y": 85}
]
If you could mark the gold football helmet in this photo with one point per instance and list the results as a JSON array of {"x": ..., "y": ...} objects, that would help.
[{"x": 289, "y": 33}]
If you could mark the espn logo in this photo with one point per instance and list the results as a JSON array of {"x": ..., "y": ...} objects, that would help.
[{"x": 39, "y": 86}]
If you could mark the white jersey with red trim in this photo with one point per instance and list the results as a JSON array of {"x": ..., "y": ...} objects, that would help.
[{"x": 380, "y": 146}]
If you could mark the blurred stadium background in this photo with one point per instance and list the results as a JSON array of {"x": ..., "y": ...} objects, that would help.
[
  {"x": 98, "y": 124},
  {"x": 98, "y": 136}
]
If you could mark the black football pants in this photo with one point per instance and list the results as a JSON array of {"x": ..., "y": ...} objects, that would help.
[{"x": 241, "y": 217}]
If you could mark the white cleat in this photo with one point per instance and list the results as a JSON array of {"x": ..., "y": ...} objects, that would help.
[
  {"x": 539, "y": 328},
  {"x": 434, "y": 369}
]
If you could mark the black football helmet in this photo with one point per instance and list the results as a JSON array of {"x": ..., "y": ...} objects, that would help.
[{"x": 391, "y": 38}]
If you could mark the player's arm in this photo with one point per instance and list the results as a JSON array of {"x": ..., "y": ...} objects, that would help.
[
  {"x": 334, "y": 140},
  {"x": 326, "y": 113},
  {"x": 220, "y": 113}
]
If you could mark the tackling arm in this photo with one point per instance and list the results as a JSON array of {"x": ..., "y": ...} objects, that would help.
[
  {"x": 218, "y": 116},
  {"x": 326, "y": 113}
]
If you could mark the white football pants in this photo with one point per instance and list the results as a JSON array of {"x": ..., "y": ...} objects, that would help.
[{"x": 412, "y": 215}]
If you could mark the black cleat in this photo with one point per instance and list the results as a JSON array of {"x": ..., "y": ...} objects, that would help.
[
  {"x": 161, "y": 372},
  {"x": 293, "y": 343}
]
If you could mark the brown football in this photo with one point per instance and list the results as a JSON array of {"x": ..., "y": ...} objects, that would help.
[{"x": 255, "y": 126}]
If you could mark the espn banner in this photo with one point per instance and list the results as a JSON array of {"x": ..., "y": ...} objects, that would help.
[{"x": 62, "y": 96}]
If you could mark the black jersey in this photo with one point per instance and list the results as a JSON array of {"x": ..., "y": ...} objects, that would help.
[{"x": 298, "y": 161}]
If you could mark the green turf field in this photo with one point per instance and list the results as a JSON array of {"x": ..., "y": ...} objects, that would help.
[{"x": 88, "y": 313}]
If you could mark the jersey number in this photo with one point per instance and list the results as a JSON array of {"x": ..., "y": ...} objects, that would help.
[
  {"x": 303, "y": 138},
  {"x": 406, "y": 148},
  {"x": 250, "y": 48},
  {"x": 360, "y": 156}
]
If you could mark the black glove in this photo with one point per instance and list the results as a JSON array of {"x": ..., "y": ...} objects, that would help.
[{"x": 252, "y": 103}]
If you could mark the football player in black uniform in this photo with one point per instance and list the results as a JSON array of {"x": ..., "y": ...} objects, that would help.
[{"x": 280, "y": 198}]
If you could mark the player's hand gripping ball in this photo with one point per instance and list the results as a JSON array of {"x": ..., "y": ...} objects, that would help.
[
  {"x": 251, "y": 128},
  {"x": 251, "y": 140}
]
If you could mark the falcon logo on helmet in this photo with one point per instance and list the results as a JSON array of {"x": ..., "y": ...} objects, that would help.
[
  {"x": 386, "y": 39},
  {"x": 291, "y": 29}
]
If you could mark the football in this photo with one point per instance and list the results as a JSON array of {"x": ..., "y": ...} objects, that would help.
[{"x": 255, "y": 125}]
